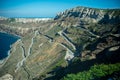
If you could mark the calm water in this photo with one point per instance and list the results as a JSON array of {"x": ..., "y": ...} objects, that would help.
[{"x": 5, "y": 41}]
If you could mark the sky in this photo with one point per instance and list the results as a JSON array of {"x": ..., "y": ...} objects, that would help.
[{"x": 48, "y": 8}]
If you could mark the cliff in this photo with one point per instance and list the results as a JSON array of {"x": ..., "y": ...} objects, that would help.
[
  {"x": 85, "y": 15},
  {"x": 74, "y": 41}
]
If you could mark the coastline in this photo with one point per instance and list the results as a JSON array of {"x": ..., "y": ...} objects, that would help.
[{"x": 3, "y": 61}]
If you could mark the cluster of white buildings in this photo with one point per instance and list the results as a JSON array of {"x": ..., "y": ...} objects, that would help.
[
  {"x": 27, "y": 20},
  {"x": 2, "y": 18}
]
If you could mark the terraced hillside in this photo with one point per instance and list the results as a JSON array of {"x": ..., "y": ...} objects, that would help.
[{"x": 72, "y": 42}]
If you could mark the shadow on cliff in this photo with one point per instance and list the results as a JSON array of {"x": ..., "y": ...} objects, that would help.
[
  {"x": 78, "y": 66},
  {"x": 107, "y": 19}
]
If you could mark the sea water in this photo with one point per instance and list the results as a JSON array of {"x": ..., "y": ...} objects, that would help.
[{"x": 6, "y": 40}]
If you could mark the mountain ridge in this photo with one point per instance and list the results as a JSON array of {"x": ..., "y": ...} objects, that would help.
[
  {"x": 88, "y": 15},
  {"x": 70, "y": 43}
]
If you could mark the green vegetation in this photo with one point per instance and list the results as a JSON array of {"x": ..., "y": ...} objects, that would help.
[
  {"x": 92, "y": 41},
  {"x": 95, "y": 72},
  {"x": 53, "y": 31},
  {"x": 77, "y": 35},
  {"x": 59, "y": 62},
  {"x": 103, "y": 29}
]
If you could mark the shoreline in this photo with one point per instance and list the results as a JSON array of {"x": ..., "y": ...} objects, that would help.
[
  {"x": 3, "y": 61},
  {"x": 12, "y": 34},
  {"x": 8, "y": 52}
]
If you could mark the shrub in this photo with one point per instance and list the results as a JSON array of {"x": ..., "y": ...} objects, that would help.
[{"x": 95, "y": 72}]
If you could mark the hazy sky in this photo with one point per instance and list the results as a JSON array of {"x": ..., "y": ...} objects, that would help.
[{"x": 48, "y": 8}]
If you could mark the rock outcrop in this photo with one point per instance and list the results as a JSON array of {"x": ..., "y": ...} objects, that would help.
[
  {"x": 7, "y": 77},
  {"x": 85, "y": 15},
  {"x": 91, "y": 35}
]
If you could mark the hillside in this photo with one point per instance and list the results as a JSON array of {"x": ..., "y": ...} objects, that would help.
[
  {"x": 84, "y": 15},
  {"x": 71, "y": 43}
]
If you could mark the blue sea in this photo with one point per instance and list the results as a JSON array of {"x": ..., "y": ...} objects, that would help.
[{"x": 5, "y": 41}]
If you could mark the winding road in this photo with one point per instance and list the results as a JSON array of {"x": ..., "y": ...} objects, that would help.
[
  {"x": 61, "y": 33},
  {"x": 97, "y": 36},
  {"x": 32, "y": 41},
  {"x": 69, "y": 54},
  {"x": 20, "y": 63}
]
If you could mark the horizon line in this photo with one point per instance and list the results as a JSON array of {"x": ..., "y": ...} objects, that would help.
[{"x": 57, "y": 12}]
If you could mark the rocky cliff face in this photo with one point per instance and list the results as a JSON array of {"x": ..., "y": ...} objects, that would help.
[
  {"x": 85, "y": 15},
  {"x": 82, "y": 12},
  {"x": 92, "y": 36}
]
